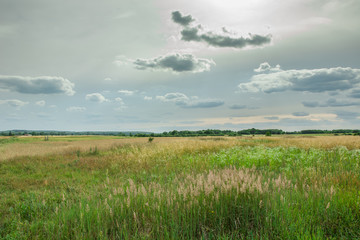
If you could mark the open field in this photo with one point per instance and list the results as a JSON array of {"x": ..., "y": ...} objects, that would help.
[{"x": 93, "y": 187}]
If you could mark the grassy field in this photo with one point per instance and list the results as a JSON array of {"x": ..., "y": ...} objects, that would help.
[{"x": 93, "y": 187}]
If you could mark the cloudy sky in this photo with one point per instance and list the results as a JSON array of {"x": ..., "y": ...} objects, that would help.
[{"x": 161, "y": 65}]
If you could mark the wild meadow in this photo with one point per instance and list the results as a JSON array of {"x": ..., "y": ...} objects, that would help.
[{"x": 298, "y": 187}]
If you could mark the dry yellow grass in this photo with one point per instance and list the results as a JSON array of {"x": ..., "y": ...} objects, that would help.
[
  {"x": 41, "y": 148},
  {"x": 164, "y": 146},
  {"x": 323, "y": 142}
]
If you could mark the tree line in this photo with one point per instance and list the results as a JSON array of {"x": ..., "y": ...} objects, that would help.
[
  {"x": 251, "y": 131},
  {"x": 184, "y": 133}
]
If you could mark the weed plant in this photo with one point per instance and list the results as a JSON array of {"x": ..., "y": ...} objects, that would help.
[{"x": 230, "y": 188}]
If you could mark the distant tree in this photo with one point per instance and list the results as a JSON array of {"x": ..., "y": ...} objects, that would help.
[
  {"x": 253, "y": 131},
  {"x": 174, "y": 133},
  {"x": 268, "y": 133}
]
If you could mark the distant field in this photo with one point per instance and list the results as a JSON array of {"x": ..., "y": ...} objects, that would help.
[{"x": 104, "y": 187}]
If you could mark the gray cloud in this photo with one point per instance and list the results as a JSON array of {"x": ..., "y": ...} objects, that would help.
[
  {"x": 347, "y": 115},
  {"x": 175, "y": 62},
  {"x": 272, "y": 118},
  {"x": 208, "y": 103},
  {"x": 182, "y": 20},
  {"x": 300, "y": 114},
  {"x": 310, "y": 104},
  {"x": 214, "y": 39},
  {"x": 184, "y": 101},
  {"x": 190, "y": 34},
  {"x": 333, "y": 93},
  {"x": 355, "y": 93},
  {"x": 310, "y": 80},
  {"x": 332, "y": 102},
  {"x": 237, "y": 106},
  {"x": 96, "y": 97},
  {"x": 218, "y": 40},
  {"x": 14, "y": 103},
  {"x": 37, "y": 85}
]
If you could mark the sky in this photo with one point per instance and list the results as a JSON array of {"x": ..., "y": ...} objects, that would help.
[{"x": 157, "y": 65}]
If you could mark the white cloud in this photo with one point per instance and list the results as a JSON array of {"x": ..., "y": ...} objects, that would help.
[
  {"x": 267, "y": 118},
  {"x": 121, "y": 105},
  {"x": 40, "y": 103},
  {"x": 173, "y": 97},
  {"x": 119, "y": 100},
  {"x": 120, "y": 109},
  {"x": 122, "y": 60},
  {"x": 147, "y": 98},
  {"x": 76, "y": 109},
  {"x": 37, "y": 85},
  {"x": 126, "y": 92},
  {"x": 96, "y": 97},
  {"x": 107, "y": 79},
  {"x": 310, "y": 80},
  {"x": 14, "y": 103},
  {"x": 265, "y": 67},
  {"x": 184, "y": 101}
]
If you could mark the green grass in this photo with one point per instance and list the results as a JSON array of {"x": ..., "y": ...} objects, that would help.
[
  {"x": 144, "y": 191},
  {"x": 9, "y": 140}
]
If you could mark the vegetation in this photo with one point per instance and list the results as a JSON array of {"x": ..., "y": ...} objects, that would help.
[
  {"x": 185, "y": 133},
  {"x": 278, "y": 187}
]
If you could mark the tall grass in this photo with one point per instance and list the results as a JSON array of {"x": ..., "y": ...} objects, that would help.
[{"x": 232, "y": 188}]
